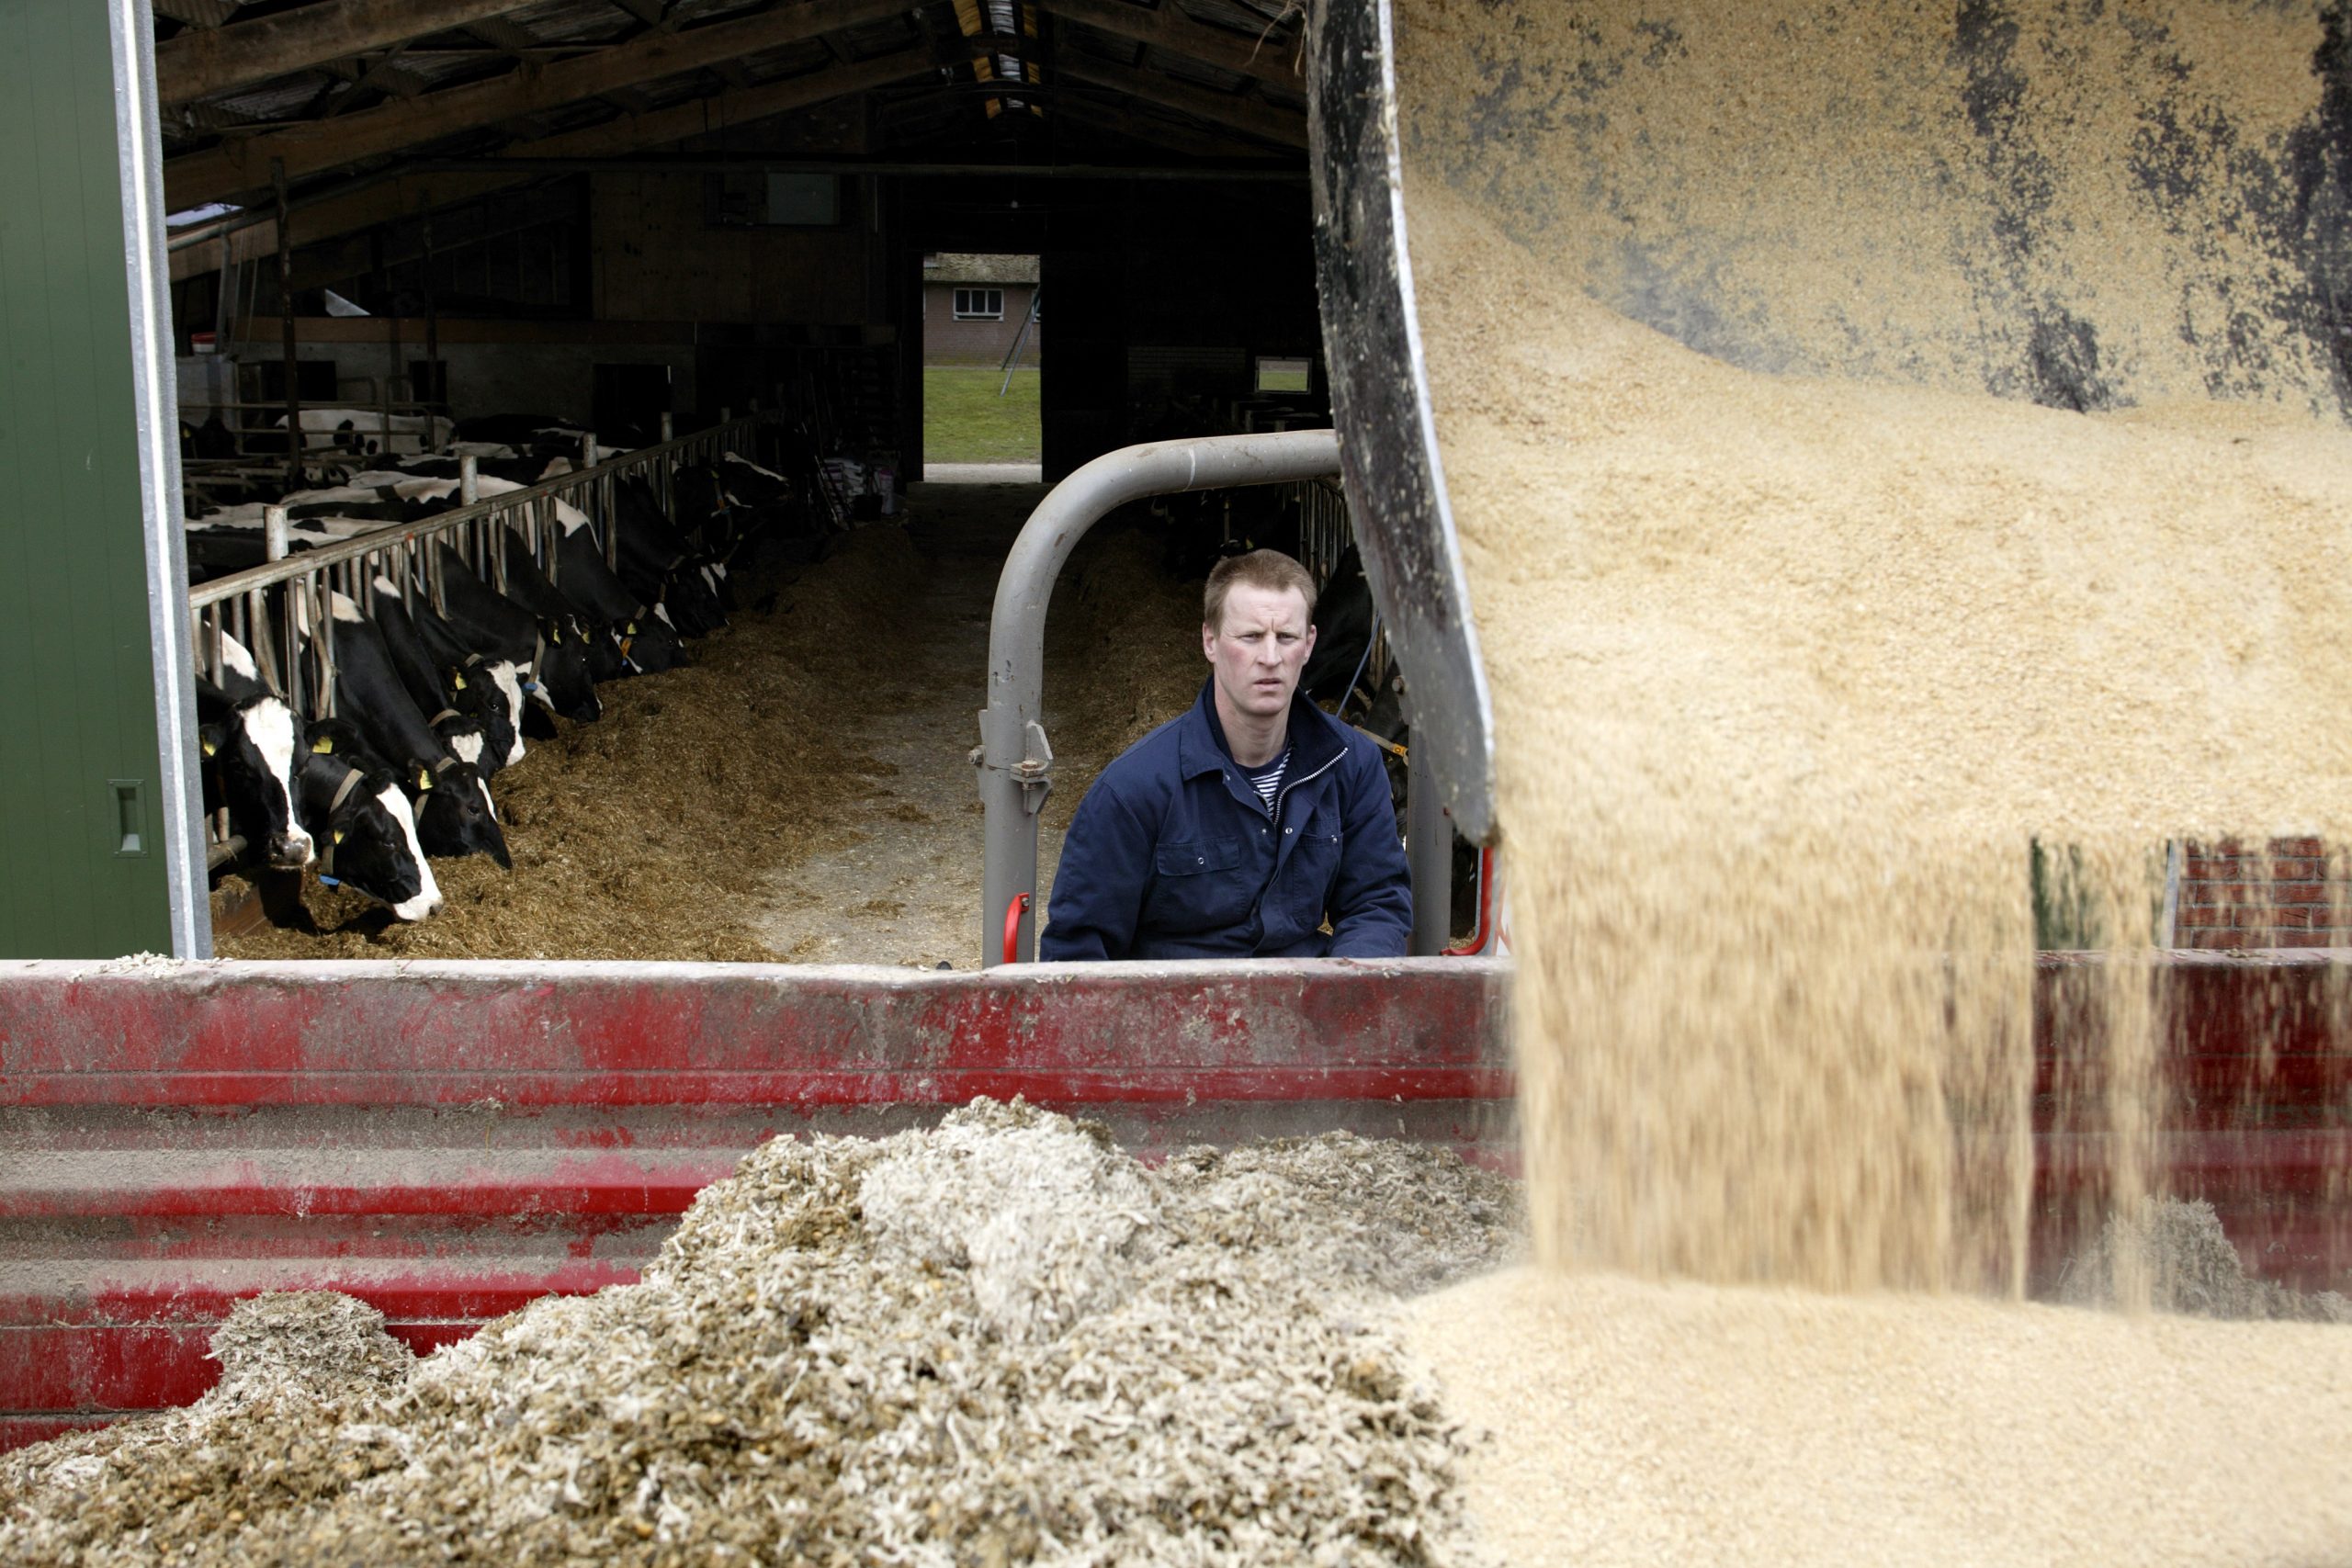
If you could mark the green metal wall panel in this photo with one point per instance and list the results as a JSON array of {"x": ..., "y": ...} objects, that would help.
[{"x": 78, "y": 685}]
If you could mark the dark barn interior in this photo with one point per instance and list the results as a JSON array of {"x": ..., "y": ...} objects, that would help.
[
  {"x": 641, "y": 219},
  {"x": 730, "y": 196}
]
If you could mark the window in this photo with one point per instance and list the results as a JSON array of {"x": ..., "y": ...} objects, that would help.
[
  {"x": 979, "y": 304},
  {"x": 777, "y": 198}
]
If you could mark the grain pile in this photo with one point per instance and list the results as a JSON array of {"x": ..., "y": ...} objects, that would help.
[
  {"x": 995, "y": 1341},
  {"x": 1791, "y": 673},
  {"x": 1615, "y": 1420}
]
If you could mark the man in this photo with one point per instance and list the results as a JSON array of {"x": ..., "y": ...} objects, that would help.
[{"x": 1254, "y": 826}]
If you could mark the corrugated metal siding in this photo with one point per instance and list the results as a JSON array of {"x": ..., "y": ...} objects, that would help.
[{"x": 78, "y": 708}]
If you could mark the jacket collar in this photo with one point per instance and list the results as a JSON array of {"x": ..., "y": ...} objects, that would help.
[{"x": 1313, "y": 737}]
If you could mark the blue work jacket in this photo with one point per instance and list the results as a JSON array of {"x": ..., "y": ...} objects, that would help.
[{"x": 1171, "y": 854}]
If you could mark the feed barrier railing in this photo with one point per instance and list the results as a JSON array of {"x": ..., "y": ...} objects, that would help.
[{"x": 278, "y": 610}]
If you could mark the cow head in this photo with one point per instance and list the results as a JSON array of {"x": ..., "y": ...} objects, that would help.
[
  {"x": 566, "y": 686},
  {"x": 249, "y": 751},
  {"x": 367, "y": 835},
  {"x": 490, "y": 691},
  {"x": 650, "y": 643},
  {"x": 608, "y": 652},
  {"x": 454, "y": 814},
  {"x": 693, "y": 597}
]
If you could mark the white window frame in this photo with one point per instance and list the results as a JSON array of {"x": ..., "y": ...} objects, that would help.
[{"x": 990, "y": 303}]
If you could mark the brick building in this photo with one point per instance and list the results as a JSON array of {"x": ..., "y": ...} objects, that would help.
[
  {"x": 974, "y": 306},
  {"x": 2282, "y": 894}
]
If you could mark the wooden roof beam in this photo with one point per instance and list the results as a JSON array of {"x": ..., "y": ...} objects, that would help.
[
  {"x": 401, "y": 197},
  {"x": 1170, "y": 28},
  {"x": 1255, "y": 116},
  {"x": 203, "y": 64},
  {"x": 308, "y": 149},
  {"x": 1196, "y": 143},
  {"x": 381, "y": 74},
  {"x": 196, "y": 13}
]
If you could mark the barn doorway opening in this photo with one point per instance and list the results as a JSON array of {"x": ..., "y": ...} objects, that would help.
[{"x": 983, "y": 369}]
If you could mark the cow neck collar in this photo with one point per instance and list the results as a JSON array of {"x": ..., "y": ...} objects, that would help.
[{"x": 342, "y": 793}]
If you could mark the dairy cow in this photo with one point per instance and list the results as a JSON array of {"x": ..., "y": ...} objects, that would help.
[
  {"x": 608, "y": 657},
  {"x": 648, "y": 638},
  {"x": 659, "y": 564},
  {"x": 249, "y": 738},
  {"x": 470, "y": 717},
  {"x": 453, "y": 812},
  {"x": 487, "y": 623},
  {"x": 367, "y": 835}
]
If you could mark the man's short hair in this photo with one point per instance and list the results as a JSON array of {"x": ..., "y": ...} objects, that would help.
[{"x": 1270, "y": 569}]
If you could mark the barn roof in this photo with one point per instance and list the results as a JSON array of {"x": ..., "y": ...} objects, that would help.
[{"x": 341, "y": 94}]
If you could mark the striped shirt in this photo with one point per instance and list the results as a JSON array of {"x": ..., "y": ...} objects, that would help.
[{"x": 1268, "y": 783}]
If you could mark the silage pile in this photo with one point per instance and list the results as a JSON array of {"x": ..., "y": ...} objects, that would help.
[{"x": 998, "y": 1341}]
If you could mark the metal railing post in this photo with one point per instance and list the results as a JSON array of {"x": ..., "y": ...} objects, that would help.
[{"x": 1014, "y": 759}]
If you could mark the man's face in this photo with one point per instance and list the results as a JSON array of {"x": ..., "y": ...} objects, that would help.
[{"x": 1260, "y": 649}]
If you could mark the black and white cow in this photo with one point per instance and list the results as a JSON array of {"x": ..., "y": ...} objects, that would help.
[
  {"x": 476, "y": 731},
  {"x": 528, "y": 585},
  {"x": 659, "y": 563},
  {"x": 1343, "y": 627},
  {"x": 488, "y": 623},
  {"x": 453, "y": 812},
  {"x": 250, "y": 741},
  {"x": 367, "y": 835},
  {"x": 647, "y": 637}
]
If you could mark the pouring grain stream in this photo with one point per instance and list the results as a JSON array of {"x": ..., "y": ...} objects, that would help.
[{"x": 1790, "y": 671}]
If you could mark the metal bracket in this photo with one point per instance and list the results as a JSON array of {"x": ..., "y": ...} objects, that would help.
[{"x": 1034, "y": 772}]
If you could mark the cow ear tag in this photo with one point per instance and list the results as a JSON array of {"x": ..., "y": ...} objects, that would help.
[
  {"x": 211, "y": 746},
  {"x": 460, "y": 680},
  {"x": 323, "y": 745},
  {"x": 424, "y": 779},
  {"x": 338, "y": 835}
]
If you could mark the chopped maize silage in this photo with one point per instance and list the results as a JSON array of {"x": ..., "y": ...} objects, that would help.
[{"x": 997, "y": 1341}]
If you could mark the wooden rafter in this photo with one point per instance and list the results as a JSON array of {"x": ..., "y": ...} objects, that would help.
[
  {"x": 396, "y": 199},
  {"x": 196, "y": 13},
  {"x": 1254, "y": 116},
  {"x": 1167, "y": 28},
  {"x": 1151, "y": 132},
  {"x": 202, "y": 64},
  {"x": 306, "y": 149},
  {"x": 382, "y": 73}
]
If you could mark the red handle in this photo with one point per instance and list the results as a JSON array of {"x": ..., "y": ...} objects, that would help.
[
  {"x": 1012, "y": 913},
  {"x": 1480, "y": 938}
]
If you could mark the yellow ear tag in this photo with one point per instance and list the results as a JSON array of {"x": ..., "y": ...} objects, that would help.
[
  {"x": 210, "y": 749},
  {"x": 323, "y": 745},
  {"x": 338, "y": 835},
  {"x": 424, "y": 779},
  {"x": 632, "y": 629},
  {"x": 459, "y": 680}
]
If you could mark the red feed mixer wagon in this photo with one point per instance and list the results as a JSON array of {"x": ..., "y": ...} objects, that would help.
[{"x": 448, "y": 1141}]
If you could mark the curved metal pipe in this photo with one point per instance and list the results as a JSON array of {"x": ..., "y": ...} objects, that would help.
[{"x": 1015, "y": 762}]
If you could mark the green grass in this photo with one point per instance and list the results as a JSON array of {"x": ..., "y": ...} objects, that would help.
[{"x": 964, "y": 420}]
